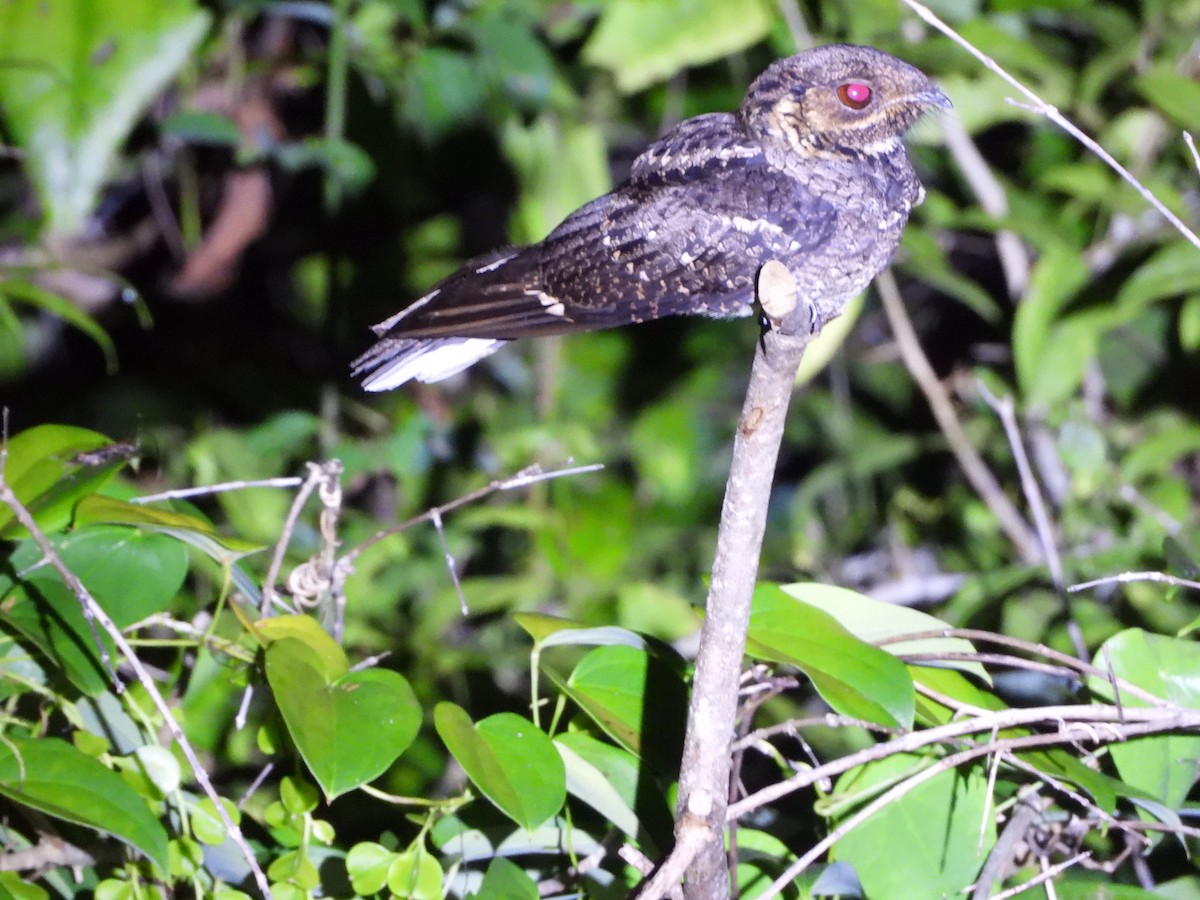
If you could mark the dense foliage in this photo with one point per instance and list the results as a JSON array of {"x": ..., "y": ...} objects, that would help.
[{"x": 202, "y": 208}]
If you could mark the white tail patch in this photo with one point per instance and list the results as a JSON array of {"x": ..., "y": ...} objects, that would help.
[{"x": 431, "y": 360}]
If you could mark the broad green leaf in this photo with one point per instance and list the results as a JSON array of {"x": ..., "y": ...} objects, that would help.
[
  {"x": 349, "y": 729},
  {"x": 927, "y": 843},
  {"x": 49, "y": 467},
  {"x": 1166, "y": 767},
  {"x": 855, "y": 678},
  {"x": 130, "y": 574},
  {"x": 615, "y": 783},
  {"x": 638, "y": 700},
  {"x": 874, "y": 622},
  {"x": 188, "y": 528},
  {"x": 644, "y": 41},
  {"x": 51, "y": 776},
  {"x": 505, "y": 881},
  {"x": 511, "y": 762},
  {"x": 79, "y": 75}
]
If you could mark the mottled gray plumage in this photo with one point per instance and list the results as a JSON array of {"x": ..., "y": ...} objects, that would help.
[{"x": 810, "y": 171}]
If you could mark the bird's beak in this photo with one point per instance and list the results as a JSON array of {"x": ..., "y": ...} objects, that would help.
[{"x": 934, "y": 97}]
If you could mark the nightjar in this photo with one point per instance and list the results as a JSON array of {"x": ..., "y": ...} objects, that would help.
[{"x": 810, "y": 171}]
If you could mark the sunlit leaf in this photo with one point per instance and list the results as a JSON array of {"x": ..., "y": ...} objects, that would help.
[
  {"x": 513, "y": 763},
  {"x": 80, "y": 72}
]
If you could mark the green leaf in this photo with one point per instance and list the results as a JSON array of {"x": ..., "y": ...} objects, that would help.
[
  {"x": 187, "y": 528},
  {"x": 1170, "y": 272},
  {"x": 328, "y": 654},
  {"x": 511, "y": 762},
  {"x": 13, "y": 887},
  {"x": 552, "y": 631},
  {"x": 855, "y": 678},
  {"x": 644, "y": 41},
  {"x": 615, "y": 783},
  {"x": 80, "y": 73},
  {"x": 1166, "y": 767},
  {"x": 348, "y": 730},
  {"x": 1057, "y": 277},
  {"x": 202, "y": 127},
  {"x": 367, "y": 865},
  {"x": 505, "y": 881},
  {"x": 926, "y": 843},
  {"x": 31, "y": 294},
  {"x": 636, "y": 699},
  {"x": 415, "y": 874},
  {"x": 130, "y": 574},
  {"x": 442, "y": 91},
  {"x": 53, "y": 777},
  {"x": 49, "y": 467},
  {"x": 207, "y": 826},
  {"x": 876, "y": 622},
  {"x": 1176, "y": 95}
]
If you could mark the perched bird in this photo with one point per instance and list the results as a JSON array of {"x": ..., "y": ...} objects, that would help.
[{"x": 809, "y": 171}]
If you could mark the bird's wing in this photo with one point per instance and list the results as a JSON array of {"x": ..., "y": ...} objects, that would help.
[{"x": 686, "y": 234}]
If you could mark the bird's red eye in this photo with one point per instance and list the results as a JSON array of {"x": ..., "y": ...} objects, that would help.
[{"x": 854, "y": 94}]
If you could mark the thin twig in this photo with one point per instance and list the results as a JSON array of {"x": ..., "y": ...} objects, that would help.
[
  {"x": 1123, "y": 577},
  {"x": 205, "y": 490},
  {"x": 1004, "y": 640},
  {"x": 1191, "y": 145},
  {"x": 1187, "y": 719},
  {"x": 531, "y": 475},
  {"x": 1119, "y": 725},
  {"x": 1044, "y": 876},
  {"x": 315, "y": 477},
  {"x": 940, "y": 404},
  {"x": 1006, "y": 412},
  {"x": 1042, "y": 108},
  {"x": 451, "y": 564}
]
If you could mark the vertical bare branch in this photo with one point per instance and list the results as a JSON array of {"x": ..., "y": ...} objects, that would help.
[{"x": 704, "y": 776}]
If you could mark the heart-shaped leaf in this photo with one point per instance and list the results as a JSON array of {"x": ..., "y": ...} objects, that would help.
[
  {"x": 348, "y": 730},
  {"x": 511, "y": 762},
  {"x": 639, "y": 701}
]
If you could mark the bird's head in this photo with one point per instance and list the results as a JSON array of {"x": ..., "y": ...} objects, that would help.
[{"x": 838, "y": 100}]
